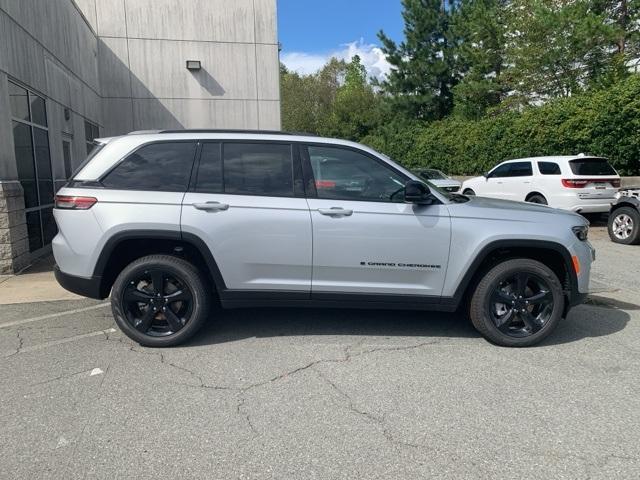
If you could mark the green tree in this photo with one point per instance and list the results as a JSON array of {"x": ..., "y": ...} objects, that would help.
[
  {"x": 556, "y": 48},
  {"x": 479, "y": 27},
  {"x": 422, "y": 77},
  {"x": 355, "y": 109}
]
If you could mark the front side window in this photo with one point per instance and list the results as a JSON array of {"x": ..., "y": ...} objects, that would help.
[
  {"x": 164, "y": 166},
  {"x": 549, "y": 168},
  {"x": 503, "y": 170},
  {"x": 258, "y": 169},
  {"x": 521, "y": 169},
  {"x": 345, "y": 174}
]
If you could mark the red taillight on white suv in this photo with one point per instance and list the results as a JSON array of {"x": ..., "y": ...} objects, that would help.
[
  {"x": 581, "y": 183},
  {"x": 67, "y": 202}
]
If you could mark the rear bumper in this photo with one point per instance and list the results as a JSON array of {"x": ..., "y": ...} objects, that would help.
[{"x": 87, "y": 287}]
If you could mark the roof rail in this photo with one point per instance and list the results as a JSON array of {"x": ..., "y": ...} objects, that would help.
[{"x": 213, "y": 130}]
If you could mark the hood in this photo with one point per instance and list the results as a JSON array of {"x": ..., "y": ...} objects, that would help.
[
  {"x": 445, "y": 182},
  {"x": 509, "y": 209}
]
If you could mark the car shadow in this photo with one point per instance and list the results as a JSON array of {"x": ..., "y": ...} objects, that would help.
[{"x": 585, "y": 321}]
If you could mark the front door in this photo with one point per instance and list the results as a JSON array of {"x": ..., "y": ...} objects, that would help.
[
  {"x": 247, "y": 204},
  {"x": 365, "y": 238}
]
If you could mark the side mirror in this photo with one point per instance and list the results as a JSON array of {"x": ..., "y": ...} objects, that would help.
[
  {"x": 417, "y": 192},
  {"x": 486, "y": 175}
]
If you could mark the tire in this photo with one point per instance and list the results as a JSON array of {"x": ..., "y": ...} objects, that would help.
[
  {"x": 537, "y": 198},
  {"x": 542, "y": 299},
  {"x": 468, "y": 191},
  {"x": 143, "y": 316},
  {"x": 624, "y": 226}
]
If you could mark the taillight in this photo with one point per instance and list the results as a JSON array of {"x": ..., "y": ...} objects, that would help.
[
  {"x": 75, "y": 203},
  {"x": 570, "y": 183}
]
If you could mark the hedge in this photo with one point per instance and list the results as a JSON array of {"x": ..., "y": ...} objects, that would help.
[{"x": 604, "y": 122}]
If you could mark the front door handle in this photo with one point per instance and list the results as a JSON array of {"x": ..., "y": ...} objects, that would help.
[
  {"x": 211, "y": 206},
  {"x": 336, "y": 212}
]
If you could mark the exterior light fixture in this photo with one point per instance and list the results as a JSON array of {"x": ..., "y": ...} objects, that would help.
[{"x": 193, "y": 65}]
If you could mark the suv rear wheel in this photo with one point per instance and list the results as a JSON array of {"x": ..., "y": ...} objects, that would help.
[
  {"x": 517, "y": 303},
  {"x": 160, "y": 300},
  {"x": 624, "y": 226}
]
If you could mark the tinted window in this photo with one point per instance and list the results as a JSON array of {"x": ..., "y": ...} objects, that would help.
[
  {"x": 24, "y": 160},
  {"x": 591, "y": 166},
  {"x": 210, "y": 170},
  {"x": 549, "y": 168},
  {"x": 38, "y": 110},
  {"x": 160, "y": 167},
  {"x": 501, "y": 171},
  {"x": 349, "y": 175},
  {"x": 521, "y": 169},
  {"x": 258, "y": 169},
  {"x": 432, "y": 175},
  {"x": 19, "y": 100}
]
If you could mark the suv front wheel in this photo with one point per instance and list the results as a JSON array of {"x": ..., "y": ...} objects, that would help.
[
  {"x": 160, "y": 300},
  {"x": 517, "y": 303}
]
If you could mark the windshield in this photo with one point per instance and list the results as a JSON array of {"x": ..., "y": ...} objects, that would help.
[
  {"x": 591, "y": 166},
  {"x": 431, "y": 174}
]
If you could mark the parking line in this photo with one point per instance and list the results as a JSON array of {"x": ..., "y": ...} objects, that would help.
[
  {"x": 40, "y": 346},
  {"x": 52, "y": 315}
]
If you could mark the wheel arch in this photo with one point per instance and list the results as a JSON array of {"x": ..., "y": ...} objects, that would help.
[
  {"x": 125, "y": 247},
  {"x": 535, "y": 192},
  {"x": 626, "y": 202},
  {"x": 552, "y": 254}
]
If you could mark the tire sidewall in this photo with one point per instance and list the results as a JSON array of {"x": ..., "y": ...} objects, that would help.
[
  {"x": 479, "y": 303},
  {"x": 635, "y": 217},
  {"x": 174, "y": 266}
]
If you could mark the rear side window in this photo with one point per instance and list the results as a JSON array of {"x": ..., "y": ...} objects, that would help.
[
  {"x": 549, "y": 168},
  {"x": 591, "y": 166},
  {"x": 521, "y": 169},
  {"x": 164, "y": 167},
  {"x": 258, "y": 169}
]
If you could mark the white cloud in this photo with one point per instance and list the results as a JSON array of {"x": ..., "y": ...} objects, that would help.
[{"x": 371, "y": 55}]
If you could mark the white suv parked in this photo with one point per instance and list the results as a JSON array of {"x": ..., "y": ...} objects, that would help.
[
  {"x": 170, "y": 223},
  {"x": 578, "y": 183}
]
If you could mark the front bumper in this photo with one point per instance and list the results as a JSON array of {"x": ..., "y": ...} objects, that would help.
[{"x": 87, "y": 287}]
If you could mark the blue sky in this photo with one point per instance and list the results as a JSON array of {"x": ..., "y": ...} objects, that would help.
[{"x": 311, "y": 31}]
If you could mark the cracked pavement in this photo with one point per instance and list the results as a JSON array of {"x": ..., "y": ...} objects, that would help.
[{"x": 325, "y": 394}]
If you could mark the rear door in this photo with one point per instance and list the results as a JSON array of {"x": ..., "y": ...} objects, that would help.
[
  {"x": 365, "y": 238},
  {"x": 247, "y": 204}
]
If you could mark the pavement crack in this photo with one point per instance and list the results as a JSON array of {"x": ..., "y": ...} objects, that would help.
[
  {"x": 19, "y": 346},
  {"x": 379, "y": 421}
]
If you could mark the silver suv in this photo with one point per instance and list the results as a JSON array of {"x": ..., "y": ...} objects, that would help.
[{"x": 171, "y": 223}]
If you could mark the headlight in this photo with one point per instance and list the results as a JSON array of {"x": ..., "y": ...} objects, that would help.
[{"x": 582, "y": 232}]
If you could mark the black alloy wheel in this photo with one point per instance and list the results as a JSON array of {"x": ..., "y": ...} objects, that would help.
[
  {"x": 157, "y": 303},
  {"x": 517, "y": 302},
  {"x": 160, "y": 300},
  {"x": 521, "y": 304}
]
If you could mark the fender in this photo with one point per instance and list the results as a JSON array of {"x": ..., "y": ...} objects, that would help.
[{"x": 498, "y": 245}]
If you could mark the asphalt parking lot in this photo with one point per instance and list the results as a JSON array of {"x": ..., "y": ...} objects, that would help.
[{"x": 328, "y": 394}]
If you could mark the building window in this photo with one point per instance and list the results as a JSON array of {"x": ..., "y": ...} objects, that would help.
[
  {"x": 33, "y": 160},
  {"x": 91, "y": 132}
]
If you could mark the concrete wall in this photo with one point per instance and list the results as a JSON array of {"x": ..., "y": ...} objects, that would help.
[
  {"x": 143, "y": 46},
  {"x": 120, "y": 64}
]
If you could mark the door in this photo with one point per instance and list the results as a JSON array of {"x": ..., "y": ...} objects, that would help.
[
  {"x": 509, "y": 181},
  {"x": 247, "y": 204},
  {"x": 495, "y": 182},
  {"x": 365, "y": 238}
]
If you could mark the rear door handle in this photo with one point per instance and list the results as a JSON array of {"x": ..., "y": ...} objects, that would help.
[
  {"x": 336, "y": 212},
  {"x": 211, "y": 206}
]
